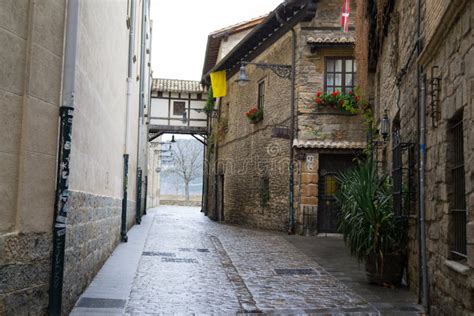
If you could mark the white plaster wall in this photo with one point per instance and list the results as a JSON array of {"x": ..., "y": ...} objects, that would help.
[
  {"x": 232, "y": 41},
  {"x": 99, "y": 122},
  {"x": 161, "y": 107}
]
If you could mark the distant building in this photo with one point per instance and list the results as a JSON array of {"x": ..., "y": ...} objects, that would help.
[{"x": 177, "y": 106}]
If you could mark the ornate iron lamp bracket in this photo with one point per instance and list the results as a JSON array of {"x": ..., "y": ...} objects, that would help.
[{"x": 282, "y": 71}]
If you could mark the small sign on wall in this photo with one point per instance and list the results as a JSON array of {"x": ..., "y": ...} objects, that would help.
[{"x": 310, "y": 162}]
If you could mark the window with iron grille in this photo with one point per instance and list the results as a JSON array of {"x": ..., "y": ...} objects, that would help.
[
  {"x": 403, "y": 174},
  {"x": 261, "y": 94},
  {"x": 457, "y": 193},
  {"x": 340, "y": 74}
]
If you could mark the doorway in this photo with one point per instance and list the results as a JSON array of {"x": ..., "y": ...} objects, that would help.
[{"x": 330, "y": 165}]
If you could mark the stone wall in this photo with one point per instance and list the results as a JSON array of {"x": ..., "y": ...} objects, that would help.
[
  {"x": 447, "y": 43},
  {"x": 31, "y": 53},
  {"x": 93, "y": 231},
  {"x": 247, "y": 155},
  {"x": 451, "y": 48},
  {"x": 25, "y": 270}
]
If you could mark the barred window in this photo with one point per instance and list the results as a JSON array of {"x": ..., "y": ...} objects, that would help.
[
  {"x": 457, "y": 193},
  {"x": 340, "y": 74}
]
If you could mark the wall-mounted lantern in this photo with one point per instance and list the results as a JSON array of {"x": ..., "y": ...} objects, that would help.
[
  {"x": 243, "y": 78},
  {"x": 385, "y": 126}
]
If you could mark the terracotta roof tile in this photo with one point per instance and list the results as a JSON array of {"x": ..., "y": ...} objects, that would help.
[
  {"x": 327, "y": 144},
  {"x": 174, "y": 85},
  {"x": 335, "y": 37}
]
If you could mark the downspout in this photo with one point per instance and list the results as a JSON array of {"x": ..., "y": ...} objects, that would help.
[
  {"x": 131, "y": 44},
  {"x": 422, "y": 159},
  {"x": 64, "y": 152},
  {"x": 141, "y": 110},
  {"x": 291, "y": 217},
  {"x": 217, "y": 215}
]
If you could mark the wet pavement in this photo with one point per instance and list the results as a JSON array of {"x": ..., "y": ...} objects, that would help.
[{"x": 192, "y": 265}]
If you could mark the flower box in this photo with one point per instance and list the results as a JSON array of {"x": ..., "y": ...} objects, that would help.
[
  {"x": 344, "y": 102},
  {"x": 254, "y": 115}
]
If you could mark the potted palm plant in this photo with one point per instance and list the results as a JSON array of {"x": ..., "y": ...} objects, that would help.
[{"x": 371, "y": 230}]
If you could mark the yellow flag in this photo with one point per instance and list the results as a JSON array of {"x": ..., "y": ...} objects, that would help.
[{"x": 219, "y": 84}]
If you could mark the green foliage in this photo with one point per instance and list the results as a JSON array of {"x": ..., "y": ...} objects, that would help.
[
  {"x": 348, "y": 102},
  {"x": 211, "y": 143},
  {"x": 254, "y": 115},
  {"x": 368, "y": 222},
  {"x": 210, "y": 104}
]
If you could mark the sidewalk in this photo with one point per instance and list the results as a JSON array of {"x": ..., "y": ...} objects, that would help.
[
  {"x": 331, "y": 253},
  {"x": 180, "y": 262},
  {"x": 109, "y": 291}
]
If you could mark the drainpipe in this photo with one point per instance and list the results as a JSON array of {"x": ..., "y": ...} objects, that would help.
[
  {"x": 141, "y": 110},
  {"x": 424, "y": 265},
  {"x": 64, "y": 152},
  {"x": 131, "y": 45},
  {"x": 291, "y": 217},
  {"x": 217, "y": 215},
  {"x": 422, "y": 159}
]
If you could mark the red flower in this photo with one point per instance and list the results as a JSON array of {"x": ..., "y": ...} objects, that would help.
[
  {"x": 318, "y": 101},
  {"x": 335, "y": 93},
  {"x": 351, "y": 93},
  {"x": 318, "y": 94}
]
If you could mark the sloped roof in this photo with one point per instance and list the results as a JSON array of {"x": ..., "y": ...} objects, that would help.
[
  {"x": 175, "y": 85},
  {"x": 214, "y": 40},
  {"x": 327, "y": 144},
  {"x": 267, "y": 32},
  {"x": 328, "y": 37}
]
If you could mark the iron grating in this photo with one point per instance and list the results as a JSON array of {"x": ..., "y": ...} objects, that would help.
[
  {"x": 294, "y": 271},
  {"x": 158, "y": 254},
  {"x": 178, "y": 260},
  {"x": 92, "y": 302},
  {"x": 191, "y": 249}
]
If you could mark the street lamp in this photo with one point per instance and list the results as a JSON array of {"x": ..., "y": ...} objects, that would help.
[
  {"x": 385, "y": 126},
  {"x": 243, "y": 79}
]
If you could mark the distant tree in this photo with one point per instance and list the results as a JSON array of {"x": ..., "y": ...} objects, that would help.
[{"x": 187, "y": 162}]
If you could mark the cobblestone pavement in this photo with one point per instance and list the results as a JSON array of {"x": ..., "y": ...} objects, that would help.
[{"x": 191, "y": 264}]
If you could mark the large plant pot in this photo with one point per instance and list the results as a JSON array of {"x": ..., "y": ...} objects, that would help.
[{"x": 388, "y": 271}]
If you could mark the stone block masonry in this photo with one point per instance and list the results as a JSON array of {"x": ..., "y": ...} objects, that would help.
[
  {"x": 93, "y": 232},
  {"x": 25, "y": 264},
  {"x": 446, "y": 32}
]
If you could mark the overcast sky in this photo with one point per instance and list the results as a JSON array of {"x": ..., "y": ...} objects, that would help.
[{"x": 180, "y": 29}]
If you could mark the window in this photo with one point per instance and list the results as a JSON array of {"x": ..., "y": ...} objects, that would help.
[
  {"x": 265, "y": 191},
  {"x": 457, "y": 193},
  {"x": 261, "y": 94},
  {"x": 179, "y": 107},
  {"x": 340, "y": 74},
  {"x": 330, "y": 185}
]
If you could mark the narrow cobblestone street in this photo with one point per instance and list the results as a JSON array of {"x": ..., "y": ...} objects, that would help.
[{"x": 192, "y": 265}]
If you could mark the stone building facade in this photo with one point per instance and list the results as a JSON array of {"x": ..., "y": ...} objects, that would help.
[
  {"x": 427, "y": 80},
  {"x": 249, "y": 163},
  {"x": 31, "y": 63}
]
